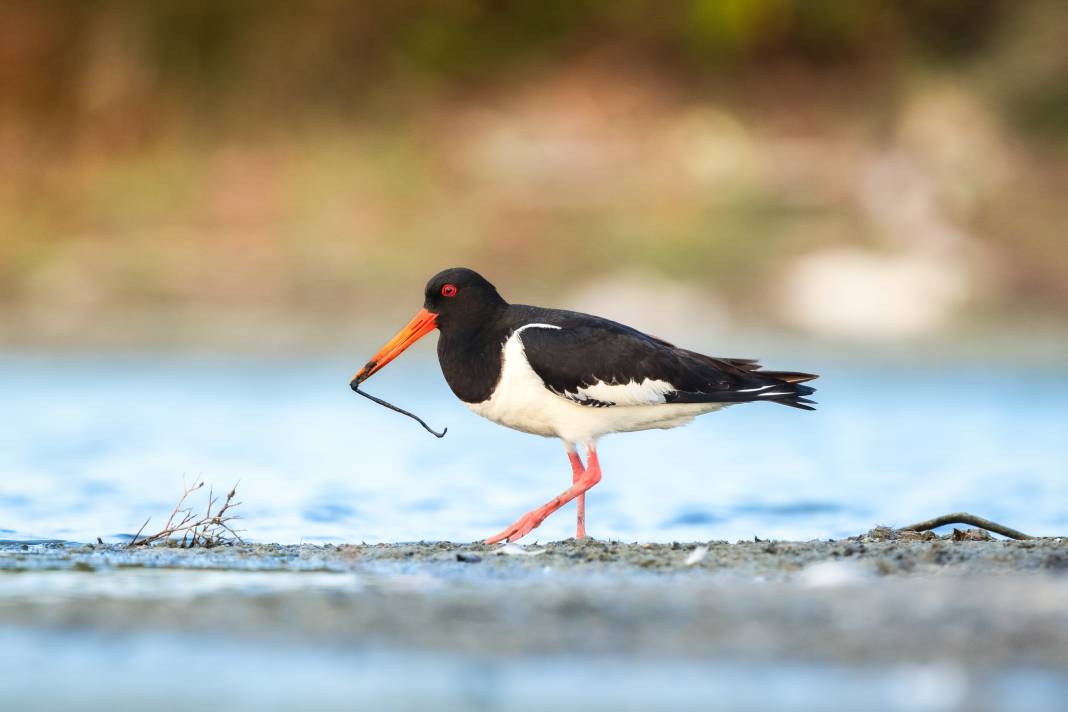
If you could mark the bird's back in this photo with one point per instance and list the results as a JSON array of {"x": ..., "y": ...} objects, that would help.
[{"x": 586, "y": 355}]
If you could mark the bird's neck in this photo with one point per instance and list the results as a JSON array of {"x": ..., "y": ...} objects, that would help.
[{"x": 470, "y": 357}]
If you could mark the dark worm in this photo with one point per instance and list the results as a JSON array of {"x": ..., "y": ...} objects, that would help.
[{"x": 415, "y": 417}]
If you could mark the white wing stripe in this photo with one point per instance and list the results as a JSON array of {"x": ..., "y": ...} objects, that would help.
[
  {"x": 649, "y": 392},
  {"x": 534, "y": 326},
  {"x": 753, "y": 390}
]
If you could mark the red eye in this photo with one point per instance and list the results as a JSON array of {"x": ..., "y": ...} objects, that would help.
[{"x": 449, "y": 290}]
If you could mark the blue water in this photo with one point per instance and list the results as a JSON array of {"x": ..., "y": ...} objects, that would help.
[
  {"x": 91, "y": 446},
  {"x": 242, "y": 675}
]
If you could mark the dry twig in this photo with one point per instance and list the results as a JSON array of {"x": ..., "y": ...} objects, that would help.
[
  {"x": 207, "y": 530},
  {"x": 965, "y": 518}
]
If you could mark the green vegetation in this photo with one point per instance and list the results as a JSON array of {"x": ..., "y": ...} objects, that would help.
[{"x": 310, "y": 157}]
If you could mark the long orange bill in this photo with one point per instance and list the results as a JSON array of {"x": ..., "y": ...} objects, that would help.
[{"x": 422, "y": 324}]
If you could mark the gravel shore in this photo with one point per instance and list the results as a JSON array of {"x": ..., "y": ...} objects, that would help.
[
  {"x": 978, "y": 605},
  {"x": 865, "y": 598}
]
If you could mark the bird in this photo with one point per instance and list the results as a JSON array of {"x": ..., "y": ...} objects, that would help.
[{"x": 572, "y": 376}]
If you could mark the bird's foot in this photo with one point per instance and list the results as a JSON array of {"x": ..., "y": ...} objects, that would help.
[
  {"x": 521, "y": 527},
  {"x": 532, "y": 519}
]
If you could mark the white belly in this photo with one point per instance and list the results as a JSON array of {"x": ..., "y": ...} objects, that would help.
[{"x": 521, "y": 401}]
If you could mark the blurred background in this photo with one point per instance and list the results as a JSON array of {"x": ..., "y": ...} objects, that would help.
[
  {"x": 870, "y": 170},
  {"x": 870, "y": 190}
]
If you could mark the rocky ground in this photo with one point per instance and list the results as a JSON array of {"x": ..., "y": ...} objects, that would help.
[
  {"x": 877, "y": 600},
  {"x": 871, "y": 597}
]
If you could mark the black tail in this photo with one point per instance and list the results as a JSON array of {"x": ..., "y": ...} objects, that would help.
[
  {"x": 773, "y": 386},
  {"x": 789, "y": 392},
  {"x": 748, "y": 384}
]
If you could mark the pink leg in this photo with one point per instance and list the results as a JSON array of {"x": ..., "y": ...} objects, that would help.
[
  {"x": 532, "y": 519},
  {"x": 577, "y": 471}
]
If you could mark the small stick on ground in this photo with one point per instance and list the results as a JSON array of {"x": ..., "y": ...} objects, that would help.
[
  {"x": 134, "y": 540},
  {"x": 208, "y": 530},
  {"x": 965, "y": 518}
]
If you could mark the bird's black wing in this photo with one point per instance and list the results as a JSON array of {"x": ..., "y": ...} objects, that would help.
[{"x": 600, "y": 363}]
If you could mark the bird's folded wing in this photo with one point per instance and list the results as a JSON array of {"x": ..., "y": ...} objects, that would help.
[{"x": 604, "y": 364}]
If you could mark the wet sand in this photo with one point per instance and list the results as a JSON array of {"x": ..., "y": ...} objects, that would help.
[
  {"x": 977, "y": 601},
  {"x": 981, "y": 607}
]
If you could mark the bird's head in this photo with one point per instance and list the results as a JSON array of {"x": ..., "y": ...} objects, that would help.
[{"x": 454, "y": 298}]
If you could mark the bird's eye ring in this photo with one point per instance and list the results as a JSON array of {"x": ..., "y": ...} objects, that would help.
[{"x": 449, "y": 290}]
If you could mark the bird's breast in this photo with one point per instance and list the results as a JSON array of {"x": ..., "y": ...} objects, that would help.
[{"x": 519, "y": 398}]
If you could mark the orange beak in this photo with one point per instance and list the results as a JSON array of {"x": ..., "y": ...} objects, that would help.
[{"x": 422, "y": 324}]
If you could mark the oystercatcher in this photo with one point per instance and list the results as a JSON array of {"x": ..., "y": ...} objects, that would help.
[{"x": 572, "y": 376}]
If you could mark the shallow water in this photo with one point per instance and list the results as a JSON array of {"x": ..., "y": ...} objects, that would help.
[
  {"x": 180, "y": 672},
  {"x": 91, "y": 446}
]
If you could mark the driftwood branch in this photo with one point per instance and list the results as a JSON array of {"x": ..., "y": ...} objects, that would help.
[
  {"x": 208, "y": 530},
  {"x": 965, "y": 518}
]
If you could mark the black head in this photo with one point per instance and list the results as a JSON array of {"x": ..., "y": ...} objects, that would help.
[
  {"x": 461, "y": 296},
  {"x": 458, "y": 302}
]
